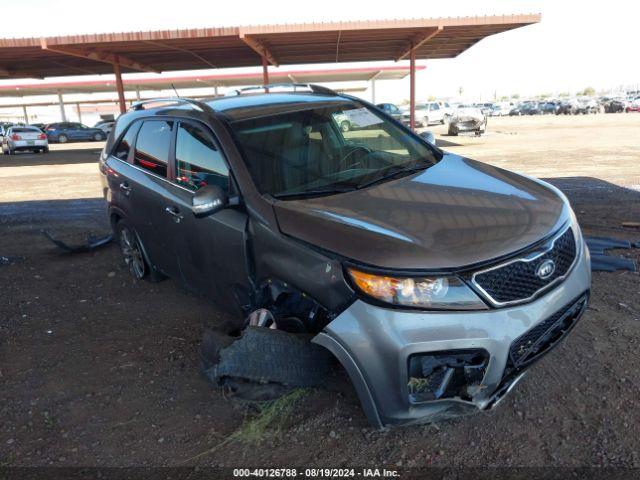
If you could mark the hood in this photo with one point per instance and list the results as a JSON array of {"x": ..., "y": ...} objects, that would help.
[
  {"x": 468, "y": 115},
  {"x": 455, "y": 214}
]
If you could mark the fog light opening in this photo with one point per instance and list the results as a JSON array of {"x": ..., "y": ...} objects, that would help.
[{"x": 447, "y": 374}]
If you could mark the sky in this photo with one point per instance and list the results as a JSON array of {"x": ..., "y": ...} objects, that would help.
[{"x": 577, "y": 44}]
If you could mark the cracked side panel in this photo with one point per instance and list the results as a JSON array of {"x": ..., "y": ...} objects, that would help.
[{"x": 288, "y": 264}]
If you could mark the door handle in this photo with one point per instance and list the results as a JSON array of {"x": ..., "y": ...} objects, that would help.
[
  {"x": 126, "y": 188},
  {"x": 175, "y": 213}
]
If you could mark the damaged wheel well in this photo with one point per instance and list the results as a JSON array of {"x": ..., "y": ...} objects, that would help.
[
  {"x": 114, "y": 218},
  {"x": 292, "y": 309}
]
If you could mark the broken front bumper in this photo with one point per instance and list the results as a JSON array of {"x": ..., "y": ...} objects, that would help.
[
  {"x": 375, "y": 346},
  {"x": 468, "y": 125}
]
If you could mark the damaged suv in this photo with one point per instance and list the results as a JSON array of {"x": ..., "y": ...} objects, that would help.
[{"x": 435, "y": 280}]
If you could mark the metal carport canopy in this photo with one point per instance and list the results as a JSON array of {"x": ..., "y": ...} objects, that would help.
[
  {"x": 304, "y": 43},
  {"x": 48, "y": 87}
]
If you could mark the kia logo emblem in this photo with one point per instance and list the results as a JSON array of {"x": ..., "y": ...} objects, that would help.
[{"x": 545, "y": 269}]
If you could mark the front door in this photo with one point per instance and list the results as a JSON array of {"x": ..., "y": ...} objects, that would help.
[{"x": 209, "y": 252}]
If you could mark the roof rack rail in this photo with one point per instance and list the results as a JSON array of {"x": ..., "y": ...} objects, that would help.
[
  {"x": 165, "y": 101},
  {"x": 294, "y": 86}
]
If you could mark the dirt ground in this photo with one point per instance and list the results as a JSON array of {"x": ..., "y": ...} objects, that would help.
[{"x": 97, "y": 369}]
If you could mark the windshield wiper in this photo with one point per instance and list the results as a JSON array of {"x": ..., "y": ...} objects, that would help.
[
  {"x": 395, "y": 171},
  {"x": 317, "y": 192}
]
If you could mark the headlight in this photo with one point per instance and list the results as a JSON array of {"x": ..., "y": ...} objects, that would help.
[{"x": 435, "y": 293}]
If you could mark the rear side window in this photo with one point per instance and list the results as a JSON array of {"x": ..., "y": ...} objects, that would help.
[
  {"x": 198, "y": 160},
  {"x": 152, "y": 146},
  {"x": 124, "y": 147}
]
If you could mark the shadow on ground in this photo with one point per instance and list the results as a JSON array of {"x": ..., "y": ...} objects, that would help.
[
  {"x": 54, "y": 157},
  {"x": 446, "y": 143},
  {"x": 601, "y": 205},
  {"x": 52, "y": 211}
]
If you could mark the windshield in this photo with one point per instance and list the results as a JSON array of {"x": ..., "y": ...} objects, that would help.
[{"x": 327, "y": 150}]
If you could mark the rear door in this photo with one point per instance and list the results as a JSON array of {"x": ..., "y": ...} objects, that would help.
[
  {"x": 78, "y": 132},
  {"x": 209, "y": 251},
  {"x": 137, "y": 180},
  {"x": 70, "y": 130},
  {"x": 61, "y": 128},
  {"x": 150, "y": 186}
]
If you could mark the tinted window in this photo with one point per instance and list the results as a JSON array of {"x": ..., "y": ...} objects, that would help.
[
  {"x": 435, "y": 106},
  {"x": 123, "y": 148},
  {"x": 198, "y": 161},
  {"x": 309, "y": 151},
  {"x": 24, "y": 130},
  {"x": 152, "y": 146}
]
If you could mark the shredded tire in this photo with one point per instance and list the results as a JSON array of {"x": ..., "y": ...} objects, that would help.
[{"x": 265, "y": 356}]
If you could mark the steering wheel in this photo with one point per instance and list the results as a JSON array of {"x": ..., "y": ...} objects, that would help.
[{"x": 342, "y": 165}]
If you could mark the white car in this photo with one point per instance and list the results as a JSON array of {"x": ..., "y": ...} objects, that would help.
[
  {"x": 428, "y": 113},
  {"x": 448, "y": 109},
  {"x": 24, "y": 138},
  {"x": 105, "y": 126}
]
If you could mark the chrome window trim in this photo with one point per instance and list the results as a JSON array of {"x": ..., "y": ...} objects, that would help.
[{"x": 529, "y": 259}]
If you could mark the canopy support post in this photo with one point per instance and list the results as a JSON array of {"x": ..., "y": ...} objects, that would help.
[
  {"x": 412, "y": 89},
  {"x": 265, "y": 72},
  {"x": 120, "y": 87},
  {"x": 63, "y": 114}
]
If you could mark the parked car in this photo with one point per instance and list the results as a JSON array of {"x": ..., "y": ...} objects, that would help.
[
  {"x": 64, "y": 132},
  {"x": 467, "y": 118},
  {"x": 428, "y": 113},
  {"x": 392, "y": 110},
  {"x": 3, "y": 129},
  {"x": 585, "y": 106},
  {"x": 530, "y": 109},
  {"x": 447, "y": 108},
  {"x": 39, "y": 126},
  {"x": 18, "y": 138},
  {"x": 105, "y": 126},
  {"x": 495, "y": 111},
  {"x": 505, "y": 108},
  {"x": 486, "y": 108},
  {"x": 614, "y": 105},
  {"x": 516, "y": 111},
  {"x": 634, "y": 106},
  {"x": 344, "y": 123},
  {"x": 548, "y": 108},
  {"x": 568, "y": 107},
  {"x": 436, "y": 280}
]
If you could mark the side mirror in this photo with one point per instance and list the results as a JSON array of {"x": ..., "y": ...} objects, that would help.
[
  {"x": 209, "y": 200},
  {"x": 428, "y": 137}
]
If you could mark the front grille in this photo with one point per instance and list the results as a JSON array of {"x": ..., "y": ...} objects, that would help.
[
  {"x": 518, "y": 280},
  {"x": 533, "y": 344},
  {"x": 537, "y": 341}
]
